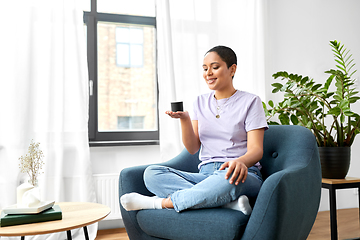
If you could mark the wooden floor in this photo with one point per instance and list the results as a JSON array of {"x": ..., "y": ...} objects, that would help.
[
  {"x": 348, "y": 227},
  {"x": 112, "y": 234}
]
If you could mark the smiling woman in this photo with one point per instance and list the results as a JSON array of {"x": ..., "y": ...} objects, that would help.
[
  {"x": 230, "y": 147},
  {"x": 219, "y": 70}
]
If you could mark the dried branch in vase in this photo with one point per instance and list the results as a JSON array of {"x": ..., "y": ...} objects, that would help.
[{"x": 32, "y": 162}]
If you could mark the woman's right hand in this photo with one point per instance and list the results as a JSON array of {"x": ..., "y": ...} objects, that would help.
[
  {"x": 181, "y": 115},
  {"x": 189, "y": 130}
]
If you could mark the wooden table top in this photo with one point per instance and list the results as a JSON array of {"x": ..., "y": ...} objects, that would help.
[
  {"x": 74, "y": 215},
  {"x": 341, "y": 181}
]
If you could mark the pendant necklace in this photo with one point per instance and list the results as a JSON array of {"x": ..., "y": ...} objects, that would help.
[{"x": 218, "y": 108}]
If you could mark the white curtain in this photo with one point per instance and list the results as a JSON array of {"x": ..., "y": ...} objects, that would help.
[
  {"x": 44, "y": 97},
  {"x": 187, "y": 29}
]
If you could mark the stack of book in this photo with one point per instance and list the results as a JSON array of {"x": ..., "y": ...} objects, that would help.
[{"x": 13, "y": 216}]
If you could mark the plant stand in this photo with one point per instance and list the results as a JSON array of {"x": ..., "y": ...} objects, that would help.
[{"x": 333, "y": 185}]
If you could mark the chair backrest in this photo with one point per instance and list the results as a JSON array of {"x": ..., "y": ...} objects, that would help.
[
  {"x": 185, "y": 161},
  {"x": 285, "y": 146},
  {"x": 281, "y": 142}
]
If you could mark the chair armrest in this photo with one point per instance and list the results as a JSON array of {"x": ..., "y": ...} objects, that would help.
[
  {"x": 131, "y": 180},
  {"x": 287, "y": 204}
]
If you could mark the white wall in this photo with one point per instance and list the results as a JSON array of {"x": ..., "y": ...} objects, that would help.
[
  {"x": 111, "y": 160},
  {"x": 298, "y": 35},
  {"x": 114, "y": 159}
]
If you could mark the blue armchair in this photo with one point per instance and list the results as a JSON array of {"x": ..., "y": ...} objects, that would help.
[{"x": 285, "y": 208}]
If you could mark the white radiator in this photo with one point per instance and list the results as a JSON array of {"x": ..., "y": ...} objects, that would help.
[{"x": 107, "y": 193}]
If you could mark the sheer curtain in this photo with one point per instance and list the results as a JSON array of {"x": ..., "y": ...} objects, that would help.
[
  {"x": 44, "y": 97},
  {"x": 186, "y": 31}
]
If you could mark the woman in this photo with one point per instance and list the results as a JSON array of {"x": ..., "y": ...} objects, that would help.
[{"x": 227, "y": 126}]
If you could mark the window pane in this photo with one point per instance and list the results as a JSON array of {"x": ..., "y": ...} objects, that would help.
[
  {"x": 127, "y": 7},
  {"x": 136, "y": 35},
  {"x": 127, "y": 96},
  {"x": 123, "y": 54},
  {"x": 136, "y": 122},
  {"x": 136, "y": 55},
  {"x": 123, "y": 123},
  {"x": 122, "y": 35}
]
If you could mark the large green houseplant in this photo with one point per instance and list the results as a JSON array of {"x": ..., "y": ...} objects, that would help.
[{"x": 326, "y": 112}]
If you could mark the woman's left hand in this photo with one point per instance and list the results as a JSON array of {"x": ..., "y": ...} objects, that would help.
[{"x": 238, "y": 169}]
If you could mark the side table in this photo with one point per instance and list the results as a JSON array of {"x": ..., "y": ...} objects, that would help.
[
  {"x": 74, "y": 215},
  {"x": 333, "y": 185}
]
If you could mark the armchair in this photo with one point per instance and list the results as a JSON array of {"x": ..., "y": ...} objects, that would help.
[{"x": 285, "y": 208}]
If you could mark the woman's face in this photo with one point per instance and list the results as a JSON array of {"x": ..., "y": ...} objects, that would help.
[{"x": 216, "y": 73}]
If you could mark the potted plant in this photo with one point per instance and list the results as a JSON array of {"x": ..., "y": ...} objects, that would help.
[{"x": 326, "y": 112}]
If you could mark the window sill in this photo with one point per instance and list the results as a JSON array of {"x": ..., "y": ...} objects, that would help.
[{"x": 122, "y": 143}]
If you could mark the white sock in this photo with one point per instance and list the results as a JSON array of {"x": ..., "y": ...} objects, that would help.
[
  {"x": 136, "y": 201},
  {"x": 241, "y": 204}
]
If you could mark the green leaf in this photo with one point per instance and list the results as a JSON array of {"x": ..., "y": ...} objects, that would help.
[
  {"x": 328, "y": 82},
  {"x": 275, "y": 90},
  {"x": 304, "y": 80},
  {"x": 309, "y": 125},
  {"x": 340, "y": 62},
  {"x": 287, "y": 103},
  {"x": 344, "y": 54},
  {"x": 265, "y": 109},
  {"x": 340, "y": 47},
  {"x": 342, "y": 118},
  {"x": 284, "y": 119},
  {"x": 294, "y": 119},
  {"x": 328, "y": 95},
  {"x": 295, "y": 103},
  {"x": 271, "y": 103},
  {"x": 334, "y": 111},
  {"x": 353, "y": 73},
  {"x": 316, "y": 87},
  {"x": 309, "y": 85},
  {"x": 288, "y": 95},
  {"x": 353, "y": 99},
  {"x": 343, "y": 104},
  {"x": 348, "y": 63},
  {"x": 336, "y": 54},
  {"x": 352, "y": 93},
  {"x": 280, "y": 74},
  {"x": 348, "y": 113},
  {"x": 339, "y": 85},
  {"x": 338, "y": 98},
  {"x": 277, "y": 85},
  {"x": 341, "y": 68}
]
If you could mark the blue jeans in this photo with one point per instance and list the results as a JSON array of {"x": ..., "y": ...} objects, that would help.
[{"x": 205, "y": 189}]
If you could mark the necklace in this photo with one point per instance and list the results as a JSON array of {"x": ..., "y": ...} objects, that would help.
[{"x": 218, "y": 108}]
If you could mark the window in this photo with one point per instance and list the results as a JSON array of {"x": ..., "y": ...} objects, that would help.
[
  {"x": 129, "y": 46},
  {"x": 134, "y": 122},
  {"x": 121, "y": 45}
]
